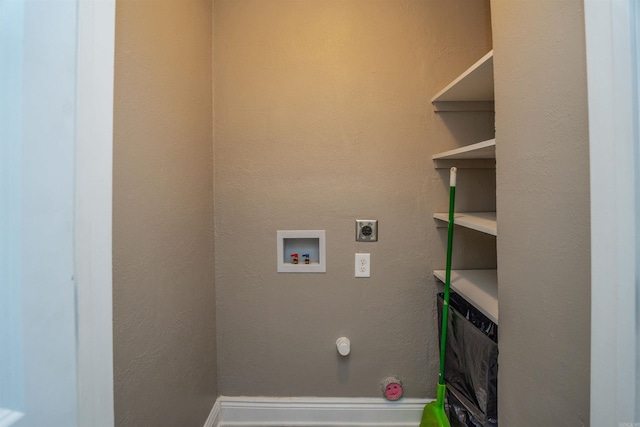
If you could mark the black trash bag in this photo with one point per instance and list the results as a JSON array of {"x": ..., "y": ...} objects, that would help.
[
  {"x": 465, "y": 414},
  {"x": 471, "y": 366}
]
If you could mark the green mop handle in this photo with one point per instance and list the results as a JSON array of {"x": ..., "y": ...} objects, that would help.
[{"x": 447, "y": 282}]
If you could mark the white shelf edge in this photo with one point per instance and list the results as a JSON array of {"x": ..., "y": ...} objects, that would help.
[
  {"x": 463, "y": 106},
  {"x": 480, "y": 150},
  {"x": 475, "y": 84},
  {"x": 465, "y": 163},
  {"x": 485, "y": 222},
  {"x": 479, "y": 287}
]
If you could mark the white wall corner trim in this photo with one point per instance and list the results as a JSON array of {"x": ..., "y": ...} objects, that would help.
[
  {"x": 315, "y": 412},
  {"x": 213, "y": 420}
]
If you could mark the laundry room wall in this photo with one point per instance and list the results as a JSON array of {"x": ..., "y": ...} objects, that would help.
[
  {"x": 163, "y": 272},
  {"x": 322, "y": 117},
  {"x": 544, "y": 258}
]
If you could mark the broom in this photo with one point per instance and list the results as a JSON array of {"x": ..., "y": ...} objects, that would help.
[{"x": 433, "y": 414}]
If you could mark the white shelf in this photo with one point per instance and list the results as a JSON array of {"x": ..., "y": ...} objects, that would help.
[
  {"x": 484, "y": 222},
  {"x": 479, "y": 287},
  {"x": 471, "y": 91},
  {"x": 480, "y": 150}
]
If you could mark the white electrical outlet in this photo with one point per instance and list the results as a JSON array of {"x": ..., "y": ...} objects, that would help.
[{"x": 363, "y": 265}]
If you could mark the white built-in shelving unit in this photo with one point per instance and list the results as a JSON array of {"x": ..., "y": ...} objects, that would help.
[
  {"x": 476, "y": 286},
  {"x": 485, "y": 222},
  {"x": 471, "y": 91},
  {"x": 479, "y": 150},
  {"x": 479, "y": 155}
]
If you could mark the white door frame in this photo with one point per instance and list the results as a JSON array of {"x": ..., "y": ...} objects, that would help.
[
  {"x": 610, "y": 27},
  {"x": 93, "y": 184},
  {"x": 57, "y": 66}
]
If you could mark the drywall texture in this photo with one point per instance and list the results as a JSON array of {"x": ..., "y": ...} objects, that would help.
[
  {"x": 543, "y": 212},
  {"x": 323, "y": 116},
  {"x": 164, "y": 299}
]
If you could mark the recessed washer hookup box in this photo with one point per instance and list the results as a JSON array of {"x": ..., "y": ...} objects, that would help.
[{"x": 301, "y": 251}]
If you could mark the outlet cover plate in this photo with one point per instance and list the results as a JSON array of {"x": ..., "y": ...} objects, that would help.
[
  {"x": 366, "y": 230},
  {"x": 363, "y": 265}
]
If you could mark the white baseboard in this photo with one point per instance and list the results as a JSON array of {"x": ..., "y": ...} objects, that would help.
[
  {"x": 315, "y": 412},
  {"x": 213, "y": 420}
]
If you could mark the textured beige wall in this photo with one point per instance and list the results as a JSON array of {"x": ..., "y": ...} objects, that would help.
[
  {"x": 323, "y": 116},
  {"x": 543, "y": 212},
  {"x": 164, "y": 300}
]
